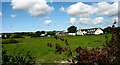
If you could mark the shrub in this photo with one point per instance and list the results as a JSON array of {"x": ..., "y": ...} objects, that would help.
[
  {"x": 10, "y": 41},
  {"x": 18, "y": 36},
  {"x": 21, "y": 58}
]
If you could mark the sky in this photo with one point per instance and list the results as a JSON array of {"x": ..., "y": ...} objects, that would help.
[{"x": 40, "y": 15}]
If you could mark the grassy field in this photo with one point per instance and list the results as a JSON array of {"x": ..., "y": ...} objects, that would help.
[{"x": 38, "y": 46}]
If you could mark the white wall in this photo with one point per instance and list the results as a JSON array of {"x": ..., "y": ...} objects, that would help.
[
  {"x": 72, "y": 34},
  {"x": 98, "y": 31},
  {"x": 79, "y": 33}
]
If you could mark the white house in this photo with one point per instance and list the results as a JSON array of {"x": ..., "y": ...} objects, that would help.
[
  {"x": 98, "y": 31},
  {"x": 95, "y": 31},
  {"x": 80, "y": 32},
  {"x": 72, "y": 34},
  {"x": 42, "y": 35},
  {"x": 0, "y": 35},
  {"x": 61, "y": 33},
  {"x": 84, "y": 32}
]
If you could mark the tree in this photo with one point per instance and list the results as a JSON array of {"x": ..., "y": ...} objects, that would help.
[
  {"x": 51, "y": 32},
  {"x": 117, "y": 29},
  {"x": 42, "y": 32},
  {"x": 72, "y": 29},
  {"x": 37, "y": 34},
  {"x": 107, "y": 30}
]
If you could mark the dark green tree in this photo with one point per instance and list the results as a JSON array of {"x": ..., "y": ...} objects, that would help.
[
  {"x": 37, "y": 34},
  {"x": 72, "y": 29},
  {"x": 107, "y": 30},
  {"x": 42, "y": 32},
  {"x": 51, "y": 32},
  {"x": 117, "y": 29}
]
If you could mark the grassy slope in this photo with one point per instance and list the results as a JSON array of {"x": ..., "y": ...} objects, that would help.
[{"x": 38, "y": 46}]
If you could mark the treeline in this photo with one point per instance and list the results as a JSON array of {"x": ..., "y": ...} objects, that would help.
[
  {"x": 27, "y": 34},
  {"x": 109, "y": 29},
  {"x": 72, "y": 29}
]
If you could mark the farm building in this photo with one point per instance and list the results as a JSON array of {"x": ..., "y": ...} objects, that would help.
[
  {"x": 95, "y": 31},
  {"x": 98, "y": 31},
  {"x": 61, "y": 33},
  {"x": 80, "y": 32},
  {"x": 42, "y": 35},
  {"x": 71, "y": 34},
  {"x": 0, "y": 35}
]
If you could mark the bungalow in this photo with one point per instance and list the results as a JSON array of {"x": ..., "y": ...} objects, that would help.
[
  {"x": 80, "y": 32},
  {"x": 71, "y": 34},
  {"x": 61, "y": 33},
  {"x": 42, "y": 35},
  {"x": 98, "y": 31},
  {"x": 3, "y": 35},
  {"x": 95, "y": 31}
]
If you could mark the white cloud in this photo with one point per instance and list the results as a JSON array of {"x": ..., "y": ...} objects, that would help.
[
  {"x": 92, "y": 21},
  {"x": 73, "y": 20},
  {"x": 85, "y": 21},
  {"x": 0, "y": 14},
  {"x": 84, "y": 10},
  {"x": 48, "y": 22},
  {"x": 34, "y": 7},
  {"x": 46, "y": 18},
  {"x": 98, "y": 20},
  {"x": 22, "y": 5},
  {"x": 115, "y": 19},
  {"x": 114, "y": 9},
  {"x": 62, "y": 9},
  {"x": 104, "y": 8},
  {"x": 13, "y": 15},
  {"x": 80, "y": 9}
]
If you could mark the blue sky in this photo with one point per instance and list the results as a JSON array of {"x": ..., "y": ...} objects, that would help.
[{"x": 58, "y": 16}]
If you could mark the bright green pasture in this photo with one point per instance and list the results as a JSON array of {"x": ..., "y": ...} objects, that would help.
[{"x": 38, "y": 46}]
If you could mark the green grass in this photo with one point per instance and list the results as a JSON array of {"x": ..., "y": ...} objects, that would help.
[{"x": 38, "y": 46}]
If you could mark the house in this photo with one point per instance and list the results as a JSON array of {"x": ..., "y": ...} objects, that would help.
[
  {"x": 80, "y": 32},
  {"x": 98, "y": 31},
  {"x": 58, "y": 33},
  {"x": 71, "y": 34},
  {"x": 61, "y": 33},
  {"x": 3, "y": 35},
  {"x": 42, "y": 35},
  {"x": 95, "y": 31},
  {"x": 0, "y": 35}
]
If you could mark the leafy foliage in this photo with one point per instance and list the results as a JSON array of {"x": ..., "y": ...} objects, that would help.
[
  {"x": 21, "y": 58},
  {"x": 37, "y": 34},
  {"x": 9, "y": 41},
  {"x": 18, "y": 36},
  {"x": 42, "y": 32},
  {"x": 115, "y": 41},
  {"x": 72, "y": 29},
  {"x": 107, "y": 30}
]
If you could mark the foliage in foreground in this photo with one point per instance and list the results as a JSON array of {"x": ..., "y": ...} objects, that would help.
[{"x": 21, "y": 58}]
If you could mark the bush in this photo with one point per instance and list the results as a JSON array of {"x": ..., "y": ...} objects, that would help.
[
  {"x": 9, "y": 41},
  {"x": 18, "y": 36},
  {"x": 21, "y": 58}
]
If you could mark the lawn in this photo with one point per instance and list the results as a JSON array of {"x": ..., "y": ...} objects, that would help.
[{"x": 38, "y": 46}]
